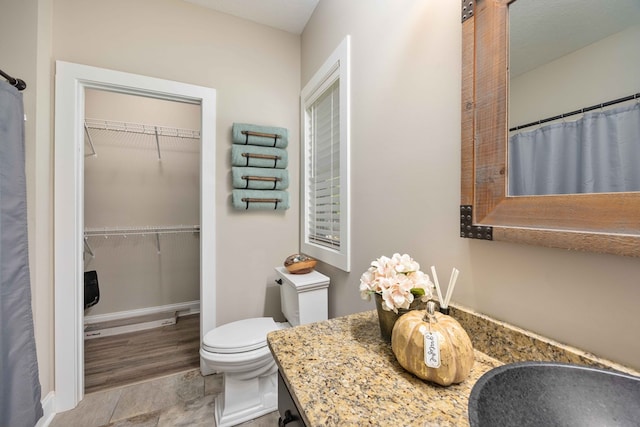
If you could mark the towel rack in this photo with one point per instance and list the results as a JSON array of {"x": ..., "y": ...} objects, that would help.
[
  {"x": 249, "y": 200},
  {"x": 273, "y": 179},
  {"x": 262, "y": 156},
  {"x": 248, "y": 133}
]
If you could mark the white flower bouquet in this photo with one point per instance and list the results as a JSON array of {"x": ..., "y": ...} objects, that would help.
[{"x": 398, "y": 280}]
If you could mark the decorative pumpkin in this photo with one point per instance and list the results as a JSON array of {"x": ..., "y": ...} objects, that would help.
[{"x": 454, "y": 358}]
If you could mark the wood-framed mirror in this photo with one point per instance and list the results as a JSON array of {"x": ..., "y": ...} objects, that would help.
[{"x": 602, "y": 222}]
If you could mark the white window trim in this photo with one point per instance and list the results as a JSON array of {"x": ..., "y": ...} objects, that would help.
[{"x": 336, "y": 66}]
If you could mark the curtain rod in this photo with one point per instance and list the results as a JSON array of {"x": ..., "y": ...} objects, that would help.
[
  {"x": 18, "y": 83},
  {"x": 580, "y": 111}
]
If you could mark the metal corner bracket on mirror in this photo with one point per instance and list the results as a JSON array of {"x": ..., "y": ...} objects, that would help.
[
  {"x": 468, "y": 230},
  {"x": 594, "y": 222},
  {"x": 467, "y": 9}
]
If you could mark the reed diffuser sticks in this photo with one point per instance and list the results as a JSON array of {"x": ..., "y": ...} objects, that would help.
[{"x": 444, "y": 302}]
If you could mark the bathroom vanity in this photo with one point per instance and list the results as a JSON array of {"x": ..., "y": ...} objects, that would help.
[{"x": 341, "y": 372}]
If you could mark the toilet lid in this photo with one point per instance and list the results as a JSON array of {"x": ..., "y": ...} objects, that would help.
[{"x": 239, "y": 336}]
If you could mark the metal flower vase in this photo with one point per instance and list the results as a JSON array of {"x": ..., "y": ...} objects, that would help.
[{"x": 388, "y": 318}]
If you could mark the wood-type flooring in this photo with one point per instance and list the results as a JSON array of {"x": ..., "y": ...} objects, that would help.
[{"x": 129, "y": 358}]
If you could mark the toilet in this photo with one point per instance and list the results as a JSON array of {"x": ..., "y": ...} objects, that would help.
[{"x": 240, "y": 352}]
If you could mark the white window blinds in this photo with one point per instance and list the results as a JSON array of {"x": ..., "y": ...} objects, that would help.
[
  {"x": 323, "y": 190},
  {"x": 325, "y": 197}
]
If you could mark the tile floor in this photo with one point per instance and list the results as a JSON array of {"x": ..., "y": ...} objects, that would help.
[{"x": 183, "y": 399}]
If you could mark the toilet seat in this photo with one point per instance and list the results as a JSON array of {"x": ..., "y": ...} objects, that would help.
[{"x": 240, "y": 336}]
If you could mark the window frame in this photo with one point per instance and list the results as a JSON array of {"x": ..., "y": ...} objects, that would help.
[{"x": 335, "y": 68}]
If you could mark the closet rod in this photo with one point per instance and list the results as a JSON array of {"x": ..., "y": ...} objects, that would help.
[
  {"x": 580, "y": 111},
  {"x": 126, "y": 231},
  {"x": 17, "y": 83}
]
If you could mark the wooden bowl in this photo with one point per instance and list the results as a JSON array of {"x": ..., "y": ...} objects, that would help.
[{"x": 299, "y": 264}]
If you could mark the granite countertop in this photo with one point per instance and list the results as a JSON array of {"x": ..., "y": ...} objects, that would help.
[{"x": 341, "y": 372}]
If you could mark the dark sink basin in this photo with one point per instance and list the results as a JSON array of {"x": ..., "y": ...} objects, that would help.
[{"x": 554, "y": 394}]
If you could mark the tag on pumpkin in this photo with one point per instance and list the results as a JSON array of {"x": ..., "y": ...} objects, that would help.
[{"x": 431, "y": 349}]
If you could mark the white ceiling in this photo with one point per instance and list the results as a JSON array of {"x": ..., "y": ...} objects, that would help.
[{"x": 287, "y": 15}]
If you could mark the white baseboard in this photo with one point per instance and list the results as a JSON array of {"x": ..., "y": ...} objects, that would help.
[
  {"x": 133, "y": 327},
  {"x": 183, "y": 309},
  {"x": 48, "y": 407}
]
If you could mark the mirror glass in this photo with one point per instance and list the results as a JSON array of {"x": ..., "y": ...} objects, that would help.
[{"x": 565, "y": 57}]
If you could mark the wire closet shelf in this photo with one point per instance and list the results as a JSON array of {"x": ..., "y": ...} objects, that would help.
[
  {"x": 146, "y": 129},
  {"x": 137, "y": 128},
  {"x": 136, "y": 231},
  {"x": 127, "y": 231}
]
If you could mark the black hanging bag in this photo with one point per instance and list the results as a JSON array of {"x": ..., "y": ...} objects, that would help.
[{"x": 91, "y": 291}]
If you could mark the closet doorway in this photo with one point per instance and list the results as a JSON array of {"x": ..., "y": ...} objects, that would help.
[
  {"x": 141, "y": 237},
  {"x": 73, "y": 82}
]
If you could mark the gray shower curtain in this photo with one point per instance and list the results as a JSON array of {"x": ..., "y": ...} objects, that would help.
[
  {"x": 19, "y": 385},
  {"x": 599, "y": 153}
]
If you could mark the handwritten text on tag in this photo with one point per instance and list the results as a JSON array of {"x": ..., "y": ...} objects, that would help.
[{"x": 431, "y": 349}]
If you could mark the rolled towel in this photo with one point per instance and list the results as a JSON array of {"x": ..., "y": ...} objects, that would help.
[
  {"x": 266, "y": 136},
  {"x": 260, "y": 199},
  {"x": 259, "y": 157},
  {"x": 260, "y": 178}
]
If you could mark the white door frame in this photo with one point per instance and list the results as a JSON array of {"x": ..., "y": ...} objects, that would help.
[{"x": 71, "y": 82}]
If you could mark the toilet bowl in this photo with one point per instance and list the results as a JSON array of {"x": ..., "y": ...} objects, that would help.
[{"x": 240, "y": 352}]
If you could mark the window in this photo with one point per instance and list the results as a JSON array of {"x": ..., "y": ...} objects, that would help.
[{"x": 325, "y": 162}]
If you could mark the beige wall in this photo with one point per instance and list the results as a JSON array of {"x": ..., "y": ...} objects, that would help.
[
  {"x": 406, "y": 185},
  {"x": 255, "y": 70},
  {"x": 126, "y": 186},
  {"x": 405, "y": 64},
  {"x": 607, "y": 70}
]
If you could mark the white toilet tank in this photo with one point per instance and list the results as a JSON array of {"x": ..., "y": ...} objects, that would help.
[{"x": 304, "y": 297}]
